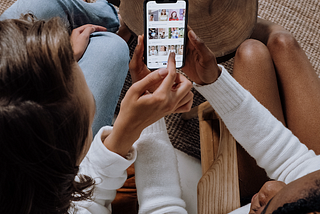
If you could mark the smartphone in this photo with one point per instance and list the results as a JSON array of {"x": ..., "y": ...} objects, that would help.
[{"x": 165, "y": 31}]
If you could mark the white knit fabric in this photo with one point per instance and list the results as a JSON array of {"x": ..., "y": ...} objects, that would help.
[
  {"x": 265, "y": 138},
  {"x": 274, "y": 147}
]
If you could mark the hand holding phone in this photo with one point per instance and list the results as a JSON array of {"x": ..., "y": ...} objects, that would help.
[
  {"x": 201, "y": 65},
  {"x": 137, "y": 67},
  {"x": 165, "y": 24}
]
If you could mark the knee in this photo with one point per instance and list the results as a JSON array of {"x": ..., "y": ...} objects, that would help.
[
  {"x": 251, "y": 50},
  {"x": 112, "y": 48},
  {"x": 119, "y": 48},
  {"x": 106, "y": 53},
  {"x": 282, "y": 41},
  {"x": 118, "y": 56}
]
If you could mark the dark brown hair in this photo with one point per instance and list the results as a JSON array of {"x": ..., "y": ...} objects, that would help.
[
  {"x": 309, "y": 204},
  {"x": 43, "y": 126}
]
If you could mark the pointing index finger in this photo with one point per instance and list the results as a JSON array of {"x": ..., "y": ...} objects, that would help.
[{"x": 170, "y": 78}]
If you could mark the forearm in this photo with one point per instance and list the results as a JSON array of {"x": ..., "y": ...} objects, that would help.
[
  {"x": 122, "y": 138},
  {"x": 156, "y": 168},
  {"x": 274, "y": 147}
]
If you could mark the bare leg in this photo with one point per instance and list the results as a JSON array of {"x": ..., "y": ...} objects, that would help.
[
  {"x": 299, "y": 87},
  {"x": 254, "y": 70},
  {"x": 281, "y": 77}
]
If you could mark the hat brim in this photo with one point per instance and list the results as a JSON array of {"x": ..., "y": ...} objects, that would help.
[{"x": 222, "y": 24}]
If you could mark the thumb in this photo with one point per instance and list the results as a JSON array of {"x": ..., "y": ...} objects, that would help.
[
  {"x": 140, "y": 87},
  {"x": 200, "y": 46},
  {"x": 138, "y": 51},
  {"x": 136, "y": 62}
]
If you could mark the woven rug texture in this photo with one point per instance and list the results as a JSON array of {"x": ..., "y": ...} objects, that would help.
[{"x": 300, "y": 17}]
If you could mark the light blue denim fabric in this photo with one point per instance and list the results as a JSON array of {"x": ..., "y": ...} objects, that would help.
[
  {"x": 76, "y": 12},
  {"x": 105, "y": 63}
]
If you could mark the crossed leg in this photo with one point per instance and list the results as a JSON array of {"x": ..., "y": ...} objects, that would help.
[{"x": 275, "y": 69}]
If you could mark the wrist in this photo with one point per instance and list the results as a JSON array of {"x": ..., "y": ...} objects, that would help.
[
  {"x": 212, "y": 78},
  {"x": 77, "y": 56},
  {"x": 217, "y": 74},
  {"x": 121, "y": 139}
]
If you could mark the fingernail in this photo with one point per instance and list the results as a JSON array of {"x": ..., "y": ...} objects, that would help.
[
  {"x": 139, "y": 40},
  {"x": 163, "y": 72},
  {"x": 172, "y": 54},
  {"x": 193, "y": 35}
]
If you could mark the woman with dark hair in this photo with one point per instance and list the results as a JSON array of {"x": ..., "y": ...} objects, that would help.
[
  {"x": 40, "y": 111},
  {"x": 54, "y": 86},
  {"x": 151, "y": 18},
  {"x": 103, "y": 38}
]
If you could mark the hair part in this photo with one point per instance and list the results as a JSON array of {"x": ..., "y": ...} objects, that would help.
[{"x": 44, "y": 126}]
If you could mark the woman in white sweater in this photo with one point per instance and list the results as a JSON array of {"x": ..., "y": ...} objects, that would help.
[
  {"x": 40, "y": 122},
  {"x": 271, "y": 126},
  {"x": 53, "y": 82},
  {"x": 46, "y": 114},
  {"x": 264, "y": 136},
  {"x": 275, "y": 147}
]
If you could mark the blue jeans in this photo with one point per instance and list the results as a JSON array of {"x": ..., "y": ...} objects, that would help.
[{"x": 105, "y": 63}]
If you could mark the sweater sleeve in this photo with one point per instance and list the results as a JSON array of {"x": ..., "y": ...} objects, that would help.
[
  {"x": 265, "y": 138},
  {"x": 108, "y": 169},
  {"x": 242, "y": 210},
  {"x": 156, "y": 171}
]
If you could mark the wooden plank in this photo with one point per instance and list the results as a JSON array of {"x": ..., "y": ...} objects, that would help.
[
  {"x": 209, "y": 135},
  {"x": 205, "y": 114},
  {"x": 218, "y": 189},
  {"x": 206, "y": 144}
]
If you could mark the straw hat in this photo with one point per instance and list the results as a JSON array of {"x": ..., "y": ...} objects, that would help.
[{"x": 222, "y": 24}]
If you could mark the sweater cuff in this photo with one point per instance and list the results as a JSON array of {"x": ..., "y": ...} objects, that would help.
[
  {"x": 225, "y": 94},
  {"x": 100, "y": 156},
  {"x": 157, "y": 127}
]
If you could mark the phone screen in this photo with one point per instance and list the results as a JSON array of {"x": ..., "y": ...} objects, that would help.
[{"x": 165, "y": 27}]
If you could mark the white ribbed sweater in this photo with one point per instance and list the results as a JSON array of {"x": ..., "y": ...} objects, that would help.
[
  {"x": 274, "y": 147},
  {"x": 265, "y": 138}
]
